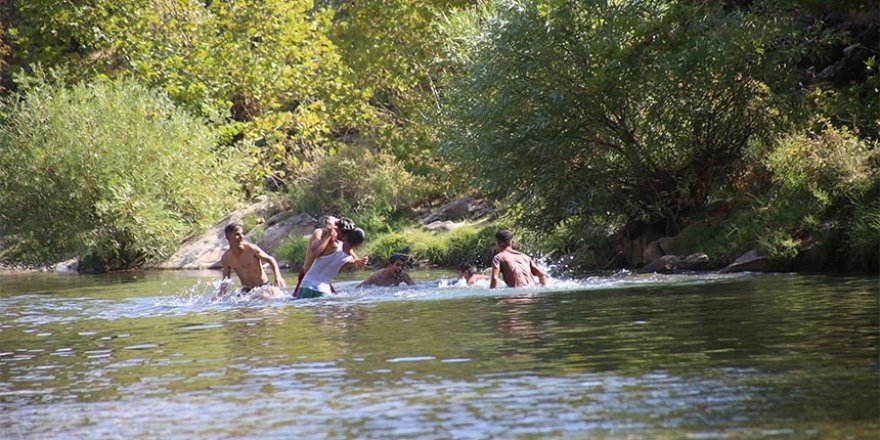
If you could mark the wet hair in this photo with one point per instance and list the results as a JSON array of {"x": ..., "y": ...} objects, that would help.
[
  {"x": 504, "y": 236},
  {"x": 467, "y": 267},
  {"x": 232, "y": 227},
  {"x": 395, "y": 257},
  {"x": 345, "y": 224},
  {"x": 356, "y": 236}
]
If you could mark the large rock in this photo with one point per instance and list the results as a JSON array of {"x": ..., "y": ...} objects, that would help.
[
  {"x": 674, "y": 263},
  {"x": 633, "y": 250},
  {"x": 657, "y": 248},
  {"x": 204, "y": 251},
  {"x": 282, "y": 225},
  {"x": 464, "y": 208},
  {"x": 444, "y": 226},
  {"x": 752, "y": 261}
]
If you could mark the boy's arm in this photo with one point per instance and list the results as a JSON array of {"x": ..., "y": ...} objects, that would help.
[
  {"x": 356, "y": 263},
  {"x": 276, "y": 271},
  {"x": 369, "y": 281},
  {"x": 496, "y": 272},
  {"x": 317, "y": 242},
  {"x": 406, "y": 279},
  {"x": 226, "y": 274},
  {"x": 538, "y": 273}
]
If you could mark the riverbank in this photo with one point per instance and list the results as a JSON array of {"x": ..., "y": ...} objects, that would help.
[{"x": 462, "y": 231}]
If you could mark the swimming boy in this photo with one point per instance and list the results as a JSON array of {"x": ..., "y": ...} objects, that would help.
[
  {"x": 316, "y": 282},
  {"x": 516, "y": 267},
  {"x": 392, "y": 275},
  {"x": 468, "y": 273},
  {"x": 247, "y": 259}
]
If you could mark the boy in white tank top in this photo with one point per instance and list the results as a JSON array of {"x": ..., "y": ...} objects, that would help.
[{"x": 316, "y": 282}]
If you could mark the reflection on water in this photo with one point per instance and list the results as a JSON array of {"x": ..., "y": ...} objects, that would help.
[{"x": 620, "y": 356}]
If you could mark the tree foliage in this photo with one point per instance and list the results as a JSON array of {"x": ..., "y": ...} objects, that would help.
[
  {"x": 634, "y": 108},
  {"x": 109, "y": 170}
]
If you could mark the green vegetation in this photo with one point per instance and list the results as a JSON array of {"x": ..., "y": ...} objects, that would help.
[
  {"x": 470, "y": 243},
  {"x": 473, "y": 244},
  {"x": 109, "y": 170},
  {"x": 593, "y": 124},
  {"x": 357, "y": 183},
  {"x": 636, "y": 110},
  {"x": 292, "y": 251}
]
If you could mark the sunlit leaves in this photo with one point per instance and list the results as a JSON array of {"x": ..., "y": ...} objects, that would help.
[
  {"x": 110, "y": 170},
  {"x": 637, "y": 108}
]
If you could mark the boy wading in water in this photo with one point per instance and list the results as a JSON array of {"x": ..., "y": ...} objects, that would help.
[
  {"x": 336, "y": 254},
  {"x": 318, "y": 246},
  {"x": 468, "y": 273},
  {"x": 392, "y": 275},
  {"x": 246, "y": 260},
  {"x": 516, "y": 267}
]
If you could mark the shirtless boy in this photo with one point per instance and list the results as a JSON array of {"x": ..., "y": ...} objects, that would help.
[
  {"x": 516, "y": 267},
  {"x": 392, "y": 275},
  {"x": 246, "y": 260},
  {"x": 468, "y": 273}
]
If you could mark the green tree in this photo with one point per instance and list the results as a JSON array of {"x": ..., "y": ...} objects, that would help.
[
  {"x": 393, "y": 58},
  {"x": 634, "y": 109},
  {"x": 110, "y": 171}
]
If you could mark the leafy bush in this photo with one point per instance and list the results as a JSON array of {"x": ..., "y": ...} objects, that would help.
[
  {"x": 629, "y": 108},
  {"x": 470, "y": 244},
  {"x": 809, "y": 174},
  {"x": 821, "y": 192},
  {"x": 109, "y": 170},
  {"x": 863, "y": 234},
  {"x": 292, "y": 251},
  {"x": 355, "y": 182}
]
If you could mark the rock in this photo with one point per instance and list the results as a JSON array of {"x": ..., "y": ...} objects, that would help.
[
  {"x": 444, "y": 226},
  {"x": 633, "y": 250},
  {"x": 204, "y": 251},
  {"x": 67, "y": 266},
  {"x": 277, "y": 231},
  {"x": 674, "y": 263},
  {"x": 657, "y": 249},
  {"x": 751, "y": 261},
  {"x": 464, "y": 208}
]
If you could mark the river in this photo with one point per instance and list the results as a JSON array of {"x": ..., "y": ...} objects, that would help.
[{"x": 154, "y": 355}]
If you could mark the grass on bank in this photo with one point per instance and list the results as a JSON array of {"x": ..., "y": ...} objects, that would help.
[{"x": 470, "y": 243}]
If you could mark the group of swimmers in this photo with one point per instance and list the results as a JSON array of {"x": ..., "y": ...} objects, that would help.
[{"x": 332, "y": 248}]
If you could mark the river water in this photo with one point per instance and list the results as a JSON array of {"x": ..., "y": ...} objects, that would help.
[{"x": 154, "y": 355}]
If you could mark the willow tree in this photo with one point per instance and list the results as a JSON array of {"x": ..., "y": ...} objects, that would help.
[
  {"x": 630, "y": 109},
  {"x": 111, "y": 172}
]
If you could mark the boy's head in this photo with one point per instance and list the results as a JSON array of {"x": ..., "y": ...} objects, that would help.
[
  {"x": 503, "y": 239},
  {"x": 233, "y": 232},
  {"x": 355, "y": 237},
  {"x": 345, "y": 224},
  {"x": 466, "y": 269},
  {"x": 397, "y": 261}
]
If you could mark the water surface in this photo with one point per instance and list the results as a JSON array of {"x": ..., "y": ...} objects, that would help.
[{"x": 155, "y": 355}]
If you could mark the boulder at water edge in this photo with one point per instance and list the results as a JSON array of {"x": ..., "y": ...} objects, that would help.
[
  {"x": 282, "y": 225},
  {"x": 204, "y": 251}
]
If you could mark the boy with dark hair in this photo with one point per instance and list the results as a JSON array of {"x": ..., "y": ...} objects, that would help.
[
  {"x": 391, "y": 275},
  {"x": 468, "y": 272},
  {"x": 317, "y": 281},
  {"x": 516, "y": 267},
  {"x": 342, "y": 227},
  {"x": 246, "y": 260}
]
